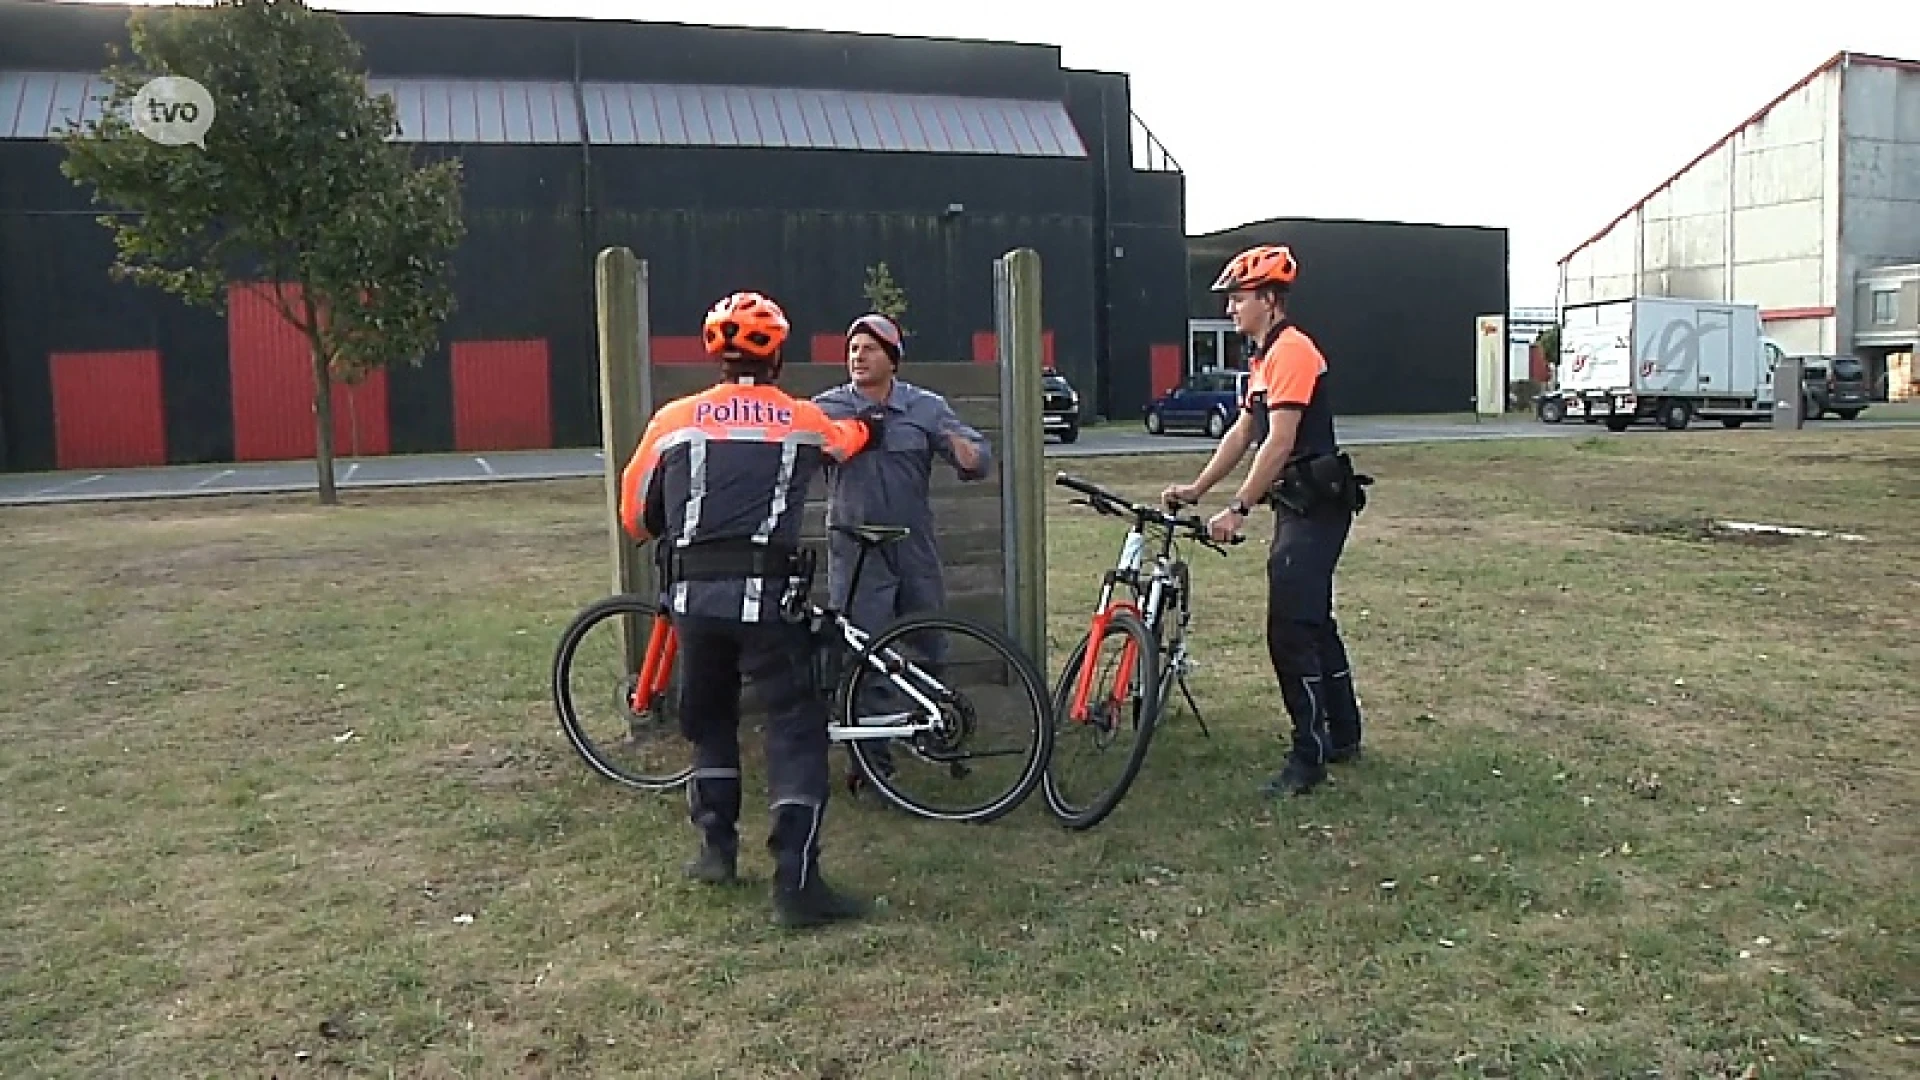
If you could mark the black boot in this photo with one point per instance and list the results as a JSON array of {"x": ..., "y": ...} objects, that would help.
[
  {"x": 713, "y": 804},
  {"x": 1344, "y": 722},
  {"x": 1306, "y": 762},
  {"x": 801, "y": 896},
  {"x": 1296, "y": 778}
]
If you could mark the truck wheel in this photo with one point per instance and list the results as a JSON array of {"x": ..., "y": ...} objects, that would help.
[
  {"x": 1732, "y": 421},
  {"x": 1619, "y": 423},
  {"x": 1552, "y": 412},
  {"x": 1216, "y": 424},
  {"x": 1848, "y": 414},
  {"x": 1674, "y": 415}
]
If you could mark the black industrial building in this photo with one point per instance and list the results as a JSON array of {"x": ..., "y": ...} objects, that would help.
[
  {"x": 727, "y": 158},
  {"x": 1392, "y": 305}
]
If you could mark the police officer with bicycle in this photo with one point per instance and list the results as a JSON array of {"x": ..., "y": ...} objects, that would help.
[
  {"x": 720, "y": 478},
  {"x": 1315, "y": 492}
]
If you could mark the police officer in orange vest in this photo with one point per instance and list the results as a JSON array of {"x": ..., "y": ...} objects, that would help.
[
  {"x": 720, "y": 477},
  {"x": 1315, "y": 492}
]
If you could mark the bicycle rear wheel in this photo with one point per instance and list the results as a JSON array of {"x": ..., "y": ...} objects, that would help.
[
  {"x": 983, "y": 679},
  {"x": 1111, "y": 711},
  {"x": 654, "y": 733}
]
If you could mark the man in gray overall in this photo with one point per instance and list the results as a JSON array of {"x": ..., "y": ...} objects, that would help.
[{"x": 889, "y": 485}]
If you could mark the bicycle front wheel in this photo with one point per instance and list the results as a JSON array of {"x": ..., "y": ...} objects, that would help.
[
  {"x": 992, "y": 730},
  {"x": 1120, "y": 699},
  {"x": 635, "y": 748}
]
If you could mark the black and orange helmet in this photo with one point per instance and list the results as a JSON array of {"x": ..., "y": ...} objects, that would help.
[
  {"x": 745, "y": 323},
  {"x": 1267, "y": 264}
]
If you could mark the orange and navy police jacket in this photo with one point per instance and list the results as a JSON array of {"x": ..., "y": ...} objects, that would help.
[
  {"x": 1289, "y": 372},
  {"x": 730, "y": 463}
]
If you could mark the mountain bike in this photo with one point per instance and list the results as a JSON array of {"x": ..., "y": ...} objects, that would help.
[
  {"x": 1151, "y": 621},
  {"x": 935, "y": 723}
]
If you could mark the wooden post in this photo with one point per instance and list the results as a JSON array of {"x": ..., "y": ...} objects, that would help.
[
  {"x": 626, "y": 403},
  {"x": 1023, "y": 493}
]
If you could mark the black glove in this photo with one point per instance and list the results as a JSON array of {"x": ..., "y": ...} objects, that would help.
[{"x": 875, "y": 420}]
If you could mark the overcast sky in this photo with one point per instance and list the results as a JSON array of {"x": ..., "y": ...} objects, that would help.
[{"x": 1467, "y": 112}]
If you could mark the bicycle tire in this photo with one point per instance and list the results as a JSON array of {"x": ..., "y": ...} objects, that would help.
[
  {"x": 1148, "y": 650},
  {"x": 1018, "y": 662},
  {"x": 570, "y": 638}
]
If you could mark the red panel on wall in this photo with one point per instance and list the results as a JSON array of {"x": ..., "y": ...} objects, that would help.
[
  {"x": 828, "y": 349},
  {"x": 1164, "y": 363},
  {"x": 986, "y": 347},
  {"x": 677, "y": 350},
  {"x": 500, "y": 399},
  {"x": 273, "y": 386},
  {"x": 107, "y": 409}
]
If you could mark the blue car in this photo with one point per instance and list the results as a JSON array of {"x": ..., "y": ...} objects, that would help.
[{"x": 1208, "y": 401}]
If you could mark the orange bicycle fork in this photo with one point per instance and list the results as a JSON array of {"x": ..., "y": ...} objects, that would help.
[
  {"x": 1083, "y": 686},
  {"x": 662, "y": 645}
]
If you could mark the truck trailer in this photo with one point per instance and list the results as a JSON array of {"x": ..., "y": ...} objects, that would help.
[{"x": 1665, "y": 359}]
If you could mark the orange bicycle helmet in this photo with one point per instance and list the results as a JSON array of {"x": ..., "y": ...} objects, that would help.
[
  {"x": 745, "y": 323},
  {"x": 1267, "y": 264}
]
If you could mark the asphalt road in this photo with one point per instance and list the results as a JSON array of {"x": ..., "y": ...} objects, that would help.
[{"x": 259, "y": 478}]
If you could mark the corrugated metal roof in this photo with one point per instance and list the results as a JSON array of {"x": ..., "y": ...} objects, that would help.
[
  {"x": 35, "y": 103},
  {"x": 482, "y": 110},
  {"x": 666, "y": 114}
]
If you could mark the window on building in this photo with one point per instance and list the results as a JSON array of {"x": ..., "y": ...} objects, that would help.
[
  {"x": 1885, "y": 307},
  {"x": 1206, "y": 350}
]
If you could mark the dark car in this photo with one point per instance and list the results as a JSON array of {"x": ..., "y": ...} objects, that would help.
[
  {"x": 1059, "y": 406},
  {"x": 1207, "y": 401},
  {"x": 1834, "y": 384}
]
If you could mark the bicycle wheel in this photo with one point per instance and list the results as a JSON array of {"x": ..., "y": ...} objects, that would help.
[
  {"x": 1105, "y": 720},
  {"x": 656, "y": 731},
  {"x": 981, "y": 678}
]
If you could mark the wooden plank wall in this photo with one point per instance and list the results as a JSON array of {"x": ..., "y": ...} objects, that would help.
[{"x": 968, "y": 515}]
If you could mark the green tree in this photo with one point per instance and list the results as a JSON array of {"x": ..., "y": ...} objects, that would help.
[
  {"x": 297, "y": 183},
  {"x": 885, "y": 296}
]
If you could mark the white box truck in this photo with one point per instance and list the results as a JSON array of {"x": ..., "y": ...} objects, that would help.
[{"x": 1665, "y": 359}]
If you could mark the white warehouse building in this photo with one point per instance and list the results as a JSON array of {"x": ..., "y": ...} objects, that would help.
[{"x": 1809, "y": 210}]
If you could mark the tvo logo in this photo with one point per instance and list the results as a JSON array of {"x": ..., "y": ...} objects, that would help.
[{"x": 173, "y": 111}]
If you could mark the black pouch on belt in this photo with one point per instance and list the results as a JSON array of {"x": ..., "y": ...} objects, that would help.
[{"x": 1311, "y": 482}]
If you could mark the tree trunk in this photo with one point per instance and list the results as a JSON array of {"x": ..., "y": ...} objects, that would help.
[{"x": 323, "y": 426}]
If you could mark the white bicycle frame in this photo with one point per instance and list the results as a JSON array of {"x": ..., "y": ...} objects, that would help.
[
  {"x": 897, "y": 725},
  {"x": 1132, "y": 551}
]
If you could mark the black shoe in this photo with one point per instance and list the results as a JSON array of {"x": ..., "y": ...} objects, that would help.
[
  {"x": 1297, "y": 778},
  {"x": 1341, "y": 757},
  {"x": 814, "y": 904},
  {"x": 714, "y": 865}
]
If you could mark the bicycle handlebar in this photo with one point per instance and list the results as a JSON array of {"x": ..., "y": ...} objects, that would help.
[{"x": 1108, "y": 502}]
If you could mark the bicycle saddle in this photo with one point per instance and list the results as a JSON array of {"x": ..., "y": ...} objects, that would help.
[{"x": 873, "y": 535}]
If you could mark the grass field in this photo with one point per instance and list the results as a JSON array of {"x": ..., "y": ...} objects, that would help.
[{"x": 1639, "y": 800}]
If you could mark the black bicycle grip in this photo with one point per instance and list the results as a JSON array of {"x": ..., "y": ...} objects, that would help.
[{"x": 1087, "y": 488}]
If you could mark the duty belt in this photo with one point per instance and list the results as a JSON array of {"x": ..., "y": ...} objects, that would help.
[{"x": 732, "y": 560}]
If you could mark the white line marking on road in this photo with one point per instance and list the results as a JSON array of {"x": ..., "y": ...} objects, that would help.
[
  {"x": 487, "y": 467},
  {"x": 221, "y": 475},
  {"x": 71, "y": 484}
]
